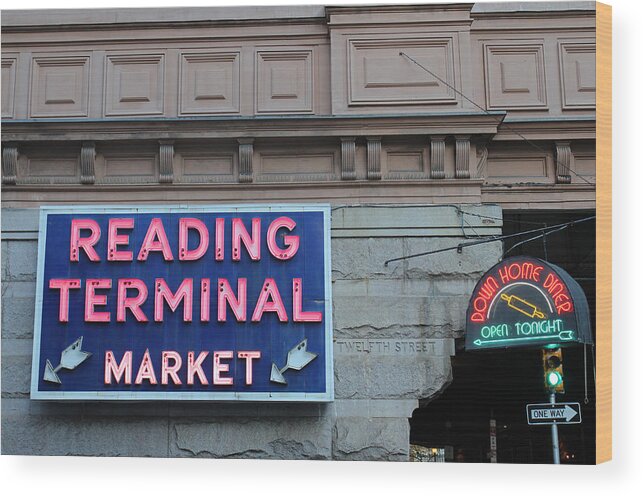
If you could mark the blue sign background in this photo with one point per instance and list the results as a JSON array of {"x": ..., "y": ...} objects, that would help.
[{"x": 270, "y": 336}]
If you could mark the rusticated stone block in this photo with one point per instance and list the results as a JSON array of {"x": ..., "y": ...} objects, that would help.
[
  {"x": 356, "y": 438},
  {"x": 363, "y": 258},
  {"x": 283, "y": 438},
  {"x": 379, "y": 314},
  {"x": 5, "y": 261},
  {"x": 16, "y": 367},
  {"x": 23, "y": 259},
  {"x": 18, "y": 303},
  {"x": 24, "y": 434}
]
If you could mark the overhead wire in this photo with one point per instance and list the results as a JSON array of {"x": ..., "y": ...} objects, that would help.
[
  {"x": 500, "y": 121},
  {"x": 491, "y": 239}
]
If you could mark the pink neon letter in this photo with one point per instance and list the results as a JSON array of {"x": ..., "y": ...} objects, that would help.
[
  {"x": 185, "y": 224},
  {"x": 194, "y": 367},
  {"x": 297, "y": 314},
  {"x": 87, "y": 244},
  {"x": 114, "y": 239},
  {"x": 170, "y": 370},
  {"x": 155, "y": 240},
  {"x": 116, "y": 369},
  {"x": 249, "y": 356},
  {"x": 291, "y": 241},
  {"x": 219, "y": 367},
  {"x": 226, "y": 294},
  {"x": 146, "y": 370},
  {"x": 64, "y": 285},
  {"x": 163, "y": 293},
  {"x": 205, "y": 300},
  {"x": 239, "y": 233},
  {"x": 133, "y": 302},
  {"x": 269, "y": 290},
  {"x": 219, "y": 249},
  {"x": 92, "y": 299}
]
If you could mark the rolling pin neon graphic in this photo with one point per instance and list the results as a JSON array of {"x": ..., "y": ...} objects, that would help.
[{"x": 522, "y": 306}]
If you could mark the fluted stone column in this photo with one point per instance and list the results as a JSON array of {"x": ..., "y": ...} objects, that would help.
[
  {"x": 437, "y": 157},
  {"x": 564, "y": 159},
  {"x": 462, "y": 152},
  {"x": 246, "y": 150},
  {"x": 348, "y": 158},
  {"x": 87, "y": 162},
  {"x": 374, "y": 153},
  {"x": 166, "y": 155},
  {"x": 10, "y": 163}
]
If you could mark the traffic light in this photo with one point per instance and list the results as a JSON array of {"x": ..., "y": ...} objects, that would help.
[{"x": 553, "y": 368}]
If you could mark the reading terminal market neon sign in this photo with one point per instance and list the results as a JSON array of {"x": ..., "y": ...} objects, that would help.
[
  {"x": 184, "y": 303},
  {"x": 525, "y": 301}
]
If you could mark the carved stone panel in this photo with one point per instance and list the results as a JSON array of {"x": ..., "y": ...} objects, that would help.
[
  {"x": 122, "y": 169},
  {"x": 8, "y": 86},
  {"x": 517, "y": 170},
  {"x": 284, "y": 81},
  {"x": 59, "y": 86},
  {"x": 209, "y": 83},
  {"x": 405, "y": 164},
  {"x": 585, "y": 168},
  {"x": 515, "y": 77},
  {"x": 134, "y": 85},
  {"x": 315, "y": 166},
  {"x": 578, "y": 75},
  {"x": 208, "y": 168},
  {"x": 380, "y": 75}
]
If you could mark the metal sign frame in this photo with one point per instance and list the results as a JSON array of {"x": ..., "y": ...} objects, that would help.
[{"x": 37, "y": 366}]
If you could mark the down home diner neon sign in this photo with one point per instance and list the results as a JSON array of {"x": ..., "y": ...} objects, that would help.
[
  {"x": 525, "y": 301},
  {"x": 184, "y": 303}
]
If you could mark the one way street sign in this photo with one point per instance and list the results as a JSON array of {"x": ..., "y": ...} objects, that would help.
[{"x": 556, "y": 413}]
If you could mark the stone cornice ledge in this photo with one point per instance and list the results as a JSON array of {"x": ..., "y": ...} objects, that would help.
[
  {"x": 549, "y": 128},
  {"x": 482, "y": 124}
]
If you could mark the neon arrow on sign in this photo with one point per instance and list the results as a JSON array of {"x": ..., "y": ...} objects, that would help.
[{"x": 563, "y": 336}]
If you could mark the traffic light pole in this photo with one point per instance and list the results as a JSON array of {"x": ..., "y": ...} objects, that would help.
[{"x": 554, "y": 434}]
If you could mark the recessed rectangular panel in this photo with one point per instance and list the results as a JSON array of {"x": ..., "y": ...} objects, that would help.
[
  {"x": 301, "y": 167},
  {"x": 134, "y": 84},
  {"x": 60, "y": 86},
  {"x": 379, "y": 75},
  {"x": 143, "y": 166},
  {"x": 8, "y": 86},
  {"x": 517, "y": 170},
  {"x": 578, "y": 75},
  {"x": 48, "y": 167},
  {"x": 209, "y": 83},
  {"x": 284, "y": 81},
  {"x": 515, "y": 76},
  {"x": 404, "y": 162},
  {"x": 181, "y": 303},
  {"x": 584, "y": 166},
  {"x": 202, "y": 168}
]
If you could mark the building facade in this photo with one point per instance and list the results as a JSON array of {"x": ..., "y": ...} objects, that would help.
[{"x": 421, "y": 125}]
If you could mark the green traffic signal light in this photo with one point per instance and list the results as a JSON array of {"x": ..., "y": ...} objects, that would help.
[
  {"x": 554, "y": 379},
  {"x": 553, "y": 370}
]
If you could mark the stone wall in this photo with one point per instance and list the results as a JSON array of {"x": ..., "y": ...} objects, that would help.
[{"x": 394, "y": 331}]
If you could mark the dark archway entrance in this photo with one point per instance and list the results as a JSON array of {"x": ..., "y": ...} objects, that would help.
[{"x": 497, "y": 385}]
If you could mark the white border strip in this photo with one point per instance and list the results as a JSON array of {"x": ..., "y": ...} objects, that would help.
[{"x": 326, "y": 396}]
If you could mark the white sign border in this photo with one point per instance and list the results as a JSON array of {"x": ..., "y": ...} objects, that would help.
[{"x": 327, "y": 396}]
